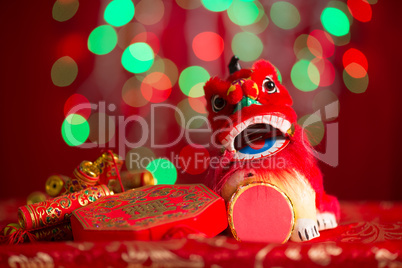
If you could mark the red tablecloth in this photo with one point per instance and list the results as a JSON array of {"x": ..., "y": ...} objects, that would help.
[{"x": 369, "y": 235}]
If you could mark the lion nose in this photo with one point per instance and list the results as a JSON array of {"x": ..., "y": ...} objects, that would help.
[
  {"x": 250, "y": 89},
  {"x": 240, "y": 88},
  {"x": 245, "y": 102}
]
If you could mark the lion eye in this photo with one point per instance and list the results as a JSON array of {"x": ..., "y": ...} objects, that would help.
[
  {"x": 269, "y": 85},
  {"x": 218, "y": 103}
]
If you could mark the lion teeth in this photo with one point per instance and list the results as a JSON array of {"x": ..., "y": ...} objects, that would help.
[
  {"x": 275, "y": 121},
  {"x": 285, "y": 126}
]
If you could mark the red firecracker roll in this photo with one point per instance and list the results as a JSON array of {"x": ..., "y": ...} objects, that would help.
[
  {"x": 61, "y": 232},
  {"x": 58, "y": 210}
]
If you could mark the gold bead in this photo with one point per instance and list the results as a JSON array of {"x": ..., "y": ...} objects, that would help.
[
  {"x": 11, "y": 228},
  {"x": 148, "y": 179},
  {"x": 54, "y": 185},
  {"x": 291, "y": 130},
  {"x": 36, "y": 197}
]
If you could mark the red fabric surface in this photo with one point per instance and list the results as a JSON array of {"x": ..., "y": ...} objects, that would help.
[{"x": 369, "y": 235}]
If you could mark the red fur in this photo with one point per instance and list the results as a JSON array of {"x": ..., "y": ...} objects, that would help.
[
  {"x": 295, "y": 157},
  {"x": 233, "y": 97}
]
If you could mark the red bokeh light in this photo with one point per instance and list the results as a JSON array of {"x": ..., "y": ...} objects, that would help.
[
  {"x": 360, "y": 9},
  {"x": 77, "y": 104},
  {"x": 208, "y": 46},
  {"x": 194, "y": 159}
]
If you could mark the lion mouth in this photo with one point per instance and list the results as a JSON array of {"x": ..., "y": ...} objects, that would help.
[{"x": 258, "y": 137}]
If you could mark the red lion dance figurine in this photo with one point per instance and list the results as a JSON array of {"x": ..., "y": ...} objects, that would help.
[{"x": 267, "y": 173}]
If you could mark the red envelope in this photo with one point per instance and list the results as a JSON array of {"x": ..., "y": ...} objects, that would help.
[{"x": 152, "y": 212}]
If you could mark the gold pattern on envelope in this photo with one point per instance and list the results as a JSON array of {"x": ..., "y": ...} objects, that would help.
[
  {"x": 147, "y": 209},
  {"x": 146, "y": 206}
]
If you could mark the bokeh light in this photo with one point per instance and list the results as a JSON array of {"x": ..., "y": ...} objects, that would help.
[
  {"x": 305, "y": 75},
  {"x": 301, "y": 49},
  {"x": 156, "y": 87},
  {"x": 150, "y": 12},
  {"x": 64, "y": 10},
  {"x": 314, "y": 128},
  {"x": 194, "y": 159},
  {"x": 119, "y": 12},
  {"x": 198, "y": 104},
  {"x": 314, "y": 46},
  {"x": 102, "y": 40},
  {"x": 150, "y": 38},
  {"x": 355, "y": 63},
  {"x": 137, "y": 58},
  {"x": 259, "y": 26},
  {"x": 64, "y": 71},
  {"x": 342, "y": 40},
  {"x": 355, "y": 70},
  {"x": 187, "y": 117},
  {"x": 284, "y": 15},
  {"x": 189, "y": 4},
  {"x": 355, "y": 85},
  {"x": 137, "y": 159},
  {"x": 247, "y": 46},
  {"x": 208, "y": 46},
  {"x": 335, "y": 21},
  {"x": 103, "y": 128},
  {"x": 77, "y": 104},
  {"x": 132, "y": 94},
  {"x": 326, "y": 70},
  {"x": 171, "y": 71},
  {"x": 326, "y": 100},
  {"x": 217, "y": 5},
  {"x": 165, "y": 66},
  {"x": 163, "y": 171},
  {"x": 75, "y": 130},
  {"x": 128, "y": 32},
  {"x": 360, "y": 10},
  {"x": 278, "y": 73},
  {"x": 243, "y": 13},
  {"x": 320, "y": 44},
  {"x": 190, "y": 77}
]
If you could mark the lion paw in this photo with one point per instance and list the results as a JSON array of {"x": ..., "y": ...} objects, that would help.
[
  {"x": 305, "y": 229},
  {"x": 326, "y": 220}
]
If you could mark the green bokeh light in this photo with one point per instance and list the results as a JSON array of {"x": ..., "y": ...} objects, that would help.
[
  {"x": 315, "y": 128},
  {"x": 217, "y": 5},
  {"x": 102, "y": 40},
  {"x": 163, "y": 171},
  {"x": 64, "y": 10},
  {"x": 138, "y": 58},
  {"x": 335, "y": 21},
  {"x": 243, "y": 13},
  {"x": 64, "y": 71},
  {"x": 305, "y": 76},
  {"x": 285, "y": 15},
  {"x": 247, "y": 46},
  {"x": 190, "y": 77},
  {"x": 75, "y": 130},
  {"x": 119, "y": 12},
  {"x": 187, "y": 117},
  {"x": 279, "y": 74},
  {"x": 355, "y": 85}
]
